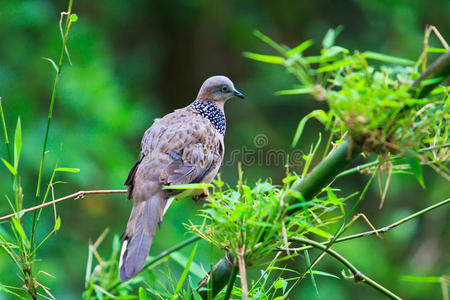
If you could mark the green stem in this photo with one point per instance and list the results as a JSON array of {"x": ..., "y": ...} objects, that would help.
[
  {"x": 326, "y": 171},
  {"x": 5, "y": 131},
  {"x": 50, "y": 114},
  {"x": 230, "y": 284},
  {"x": 342, "y": 227},
  {"x": 357, "y": 275},
  {"x": 220, "y": 274},
  {"x": 380, "y": 230}
]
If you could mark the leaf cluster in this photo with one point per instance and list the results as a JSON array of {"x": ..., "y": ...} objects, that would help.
[
  {"x": 254, "y": 221},
  {"x": 370, "y": 98}
]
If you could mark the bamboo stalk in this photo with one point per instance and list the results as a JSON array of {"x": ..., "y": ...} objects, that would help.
[{"x": 327, "y": 170}]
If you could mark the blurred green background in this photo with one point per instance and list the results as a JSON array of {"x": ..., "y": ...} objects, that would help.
[{"x": 137, "y": 60}]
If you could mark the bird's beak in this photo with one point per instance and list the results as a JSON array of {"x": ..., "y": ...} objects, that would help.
[{"x": 238, "y": 94}]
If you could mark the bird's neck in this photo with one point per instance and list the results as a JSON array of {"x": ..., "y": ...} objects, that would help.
[{"x": 212, "y": 112}]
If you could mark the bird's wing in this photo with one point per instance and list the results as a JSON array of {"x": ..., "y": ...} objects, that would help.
[
  {"x": 180, "y": 148},
  {"x": 194, "y": 148}
]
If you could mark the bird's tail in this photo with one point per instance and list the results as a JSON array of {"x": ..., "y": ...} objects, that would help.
[{"x": 139, "y": 234}]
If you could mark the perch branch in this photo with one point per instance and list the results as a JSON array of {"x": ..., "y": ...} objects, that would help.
[
  {"x": 379, "y": 231},
  {"x": 357, "y": 275},
  {"x": 77, "y": 195}
]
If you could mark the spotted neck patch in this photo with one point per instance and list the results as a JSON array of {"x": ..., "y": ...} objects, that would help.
[{"x": 211, "y": 112}]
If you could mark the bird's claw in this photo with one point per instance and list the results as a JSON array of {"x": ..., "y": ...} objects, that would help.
[{"x": 200, "y": 197}]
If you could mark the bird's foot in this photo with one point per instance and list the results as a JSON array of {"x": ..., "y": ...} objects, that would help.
[{"x": 200, "y": 197}]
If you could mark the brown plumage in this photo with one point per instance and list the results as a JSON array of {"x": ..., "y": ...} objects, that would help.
[{"x": 185, "y": 146}]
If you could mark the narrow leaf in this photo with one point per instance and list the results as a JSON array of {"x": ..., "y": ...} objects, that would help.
[
  {"x": 182, "y": 260},
  {"x": 73, "y": 18},
  {"x": 270, "y": 42},
  {"x": 57, "y": 224},
  {"x": 328, "y": 40},
  {"x": 52, "y": 62},
  {"x": 388, "y": 58},
  {"x": 70, "y": 170},
  {"x": 10, "y": 168},
  {"x": 318, "y": 114},
  {"x": 416, "y": 168},
  {"x": 300, "y": 48},
  {"x": 437, "y": 50},
  {"x": 192, "y": 186},
  {"x": 321, "y": 273},
  {"x": 294, "y": 92},
  {"x": 335, "y": 66},
  {"x": 17, "y": 143},
  {"x": 423, "y": 279},
  {"x": 185, "y": 271},
  {"x": 270, "y": 59}
]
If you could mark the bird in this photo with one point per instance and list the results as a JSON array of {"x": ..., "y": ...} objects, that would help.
[{"x": 185, "y": 146}]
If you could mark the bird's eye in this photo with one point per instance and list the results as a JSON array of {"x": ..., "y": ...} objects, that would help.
[{"x": 224, "y": 89}]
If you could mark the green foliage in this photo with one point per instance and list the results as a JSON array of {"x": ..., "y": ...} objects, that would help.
[
  {"x": 21, "y": 247},
  {"x": 371, "y": 103},
  {"x": 377, "y": 107},
  {"x": 116, "y": 87},
  {"x": 256, "y": 221}
]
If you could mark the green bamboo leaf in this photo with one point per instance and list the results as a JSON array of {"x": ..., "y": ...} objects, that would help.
[
  {"x": 52, "y": 62},
  {"x": 17, "y": 143},
  {"x": 19, "y": 229},
  {"x": 313, "y": 280},
  {"x": 294, "y": 91},
  {"x": 70, "y": 170},
  {"x": 328, "y": 40},
  {"x": 73, "y": 18},
  {"x": 333, "y": 51},
  {"x": 318, "y": 114},
  {"x": 190, "y": 186},
  {"x": 270, "y": 42},
  {"x": 10, "y": 168},
  {"x": 57, "y": 224},
  {"x": 300, "y": 48},
  {"x": 321, "y": 273},
  {"x": 388, "y": 58},
  {"x": 331, "y": 36},
  {"x": 432, "y": 81},
  {"x": 289, "y": 179},
  {"x": 185, "y": 272},
  {"x": 437, "y": 50},
  {"x": 316, "y": 230},
  {"x": 422, "y": 279},
  {"x": 182, "y": 260},
  {"x": 21, "y": 213},
  {"x": 143, "y": 294},
  {"x": 335, "y": 66},
  {"x": 416, "y": 168},
  {"x": 270, "y": 59},
  {"x": 278, "y": 284}
]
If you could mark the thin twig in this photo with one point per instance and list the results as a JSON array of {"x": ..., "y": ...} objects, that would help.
[
  {"x": 357, "y": 275},
  {"x": 377, "y": 231},
  {"x": 77, "y": 195}
]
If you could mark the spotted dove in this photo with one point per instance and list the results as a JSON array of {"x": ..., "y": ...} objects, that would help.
[{"x": 185, "y": 146}]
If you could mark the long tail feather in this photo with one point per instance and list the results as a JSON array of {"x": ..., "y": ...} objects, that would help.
[{"x": 139, "y": 236}]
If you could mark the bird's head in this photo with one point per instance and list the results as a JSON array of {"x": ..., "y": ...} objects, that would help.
[{"x": 218, "y": 89}]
